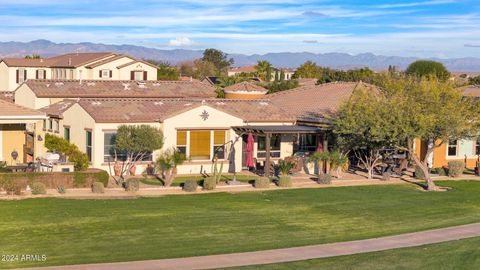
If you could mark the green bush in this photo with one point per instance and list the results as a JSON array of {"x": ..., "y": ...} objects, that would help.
[
  {"x": 262, "y": 182},
  {"x": 98, "y": 187},
  {"x": 419, "y": 173},
  {"x": 79, "y": 179},
  {"x": 38, "y": 188},
  {"x": 56, "y": 144},
  {"x": 102, "y": 177},
  {"x": 61, "y": 189},
  {"x": 324, "y": 178},
  {"x": 190, "y": 186},
  {"x": 209, "y": 183},
  {"x": 285, "y": 181},
  {"x": 132, "y": 184},
  {"x": 455, "y": 168},
  {"x": 8, "y": 183}
]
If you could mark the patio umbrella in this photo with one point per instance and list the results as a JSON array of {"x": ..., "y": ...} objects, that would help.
[{"x": 250, "y": 142}]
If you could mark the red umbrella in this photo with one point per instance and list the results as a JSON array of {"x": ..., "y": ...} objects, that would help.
[{"x": 250, "y": 143}]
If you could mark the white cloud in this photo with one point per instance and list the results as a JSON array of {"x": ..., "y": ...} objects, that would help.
[
  {"x": 417, "y": 4},
  {"x": 180, "y": 42}
]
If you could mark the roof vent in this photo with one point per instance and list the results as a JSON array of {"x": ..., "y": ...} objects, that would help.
[
  {"x": 58, "y": 83},
  {"x": 141, "y": 85},
  {"x": 90, "y": 84},
  {"x": 263, "y": 103},
  {"x": 220, "y": 103},
  {"x": 96, "y": 103},
  {"x": 158, "y": 103},
  {"x": 48, "y": 85},
  {"x": 126, "y": 86},
  {"x": 156, "y": 84},
  {"x": 187, "y": 104}
]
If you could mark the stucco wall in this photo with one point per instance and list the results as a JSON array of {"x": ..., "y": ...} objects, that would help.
[
  {"x": 113, "y": 67},
  {"x": 13, "y": 138},
  {"x": 151, "y": 71}
]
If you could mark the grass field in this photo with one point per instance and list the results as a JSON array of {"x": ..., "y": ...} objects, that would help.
[
  {"x": 458, "y": 255},
  {"x": 89, "y": 231}
]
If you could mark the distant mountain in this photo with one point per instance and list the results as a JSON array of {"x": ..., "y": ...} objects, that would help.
[{"x": 47, "y": 48}]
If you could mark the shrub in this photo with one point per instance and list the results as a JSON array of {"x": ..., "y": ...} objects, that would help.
[
  {"x": 285, "y": 166},
  {"x": 262, "y": 182},
  {"x": 132, "y": 185},
  {"x": 61, "y": 189},
  {"x": 285, "y": 181},
  {"x": 190, "y": 186},
  {"x": 98, "y": 187},
  {"x": 440, "y": 171},
  {"x": 324, "y": 178},
  {"x": 38, "y": 188},
  {"x": 419, "y": 173},
  {"x": 209, "y": 183},
  {"x": 455, "y": 168},
  {"x": 83, "y": 179},
  {"x": 77, "y": 157},
  {"x": 10, "y": 185},
  {"x": 79, "y": 179}
]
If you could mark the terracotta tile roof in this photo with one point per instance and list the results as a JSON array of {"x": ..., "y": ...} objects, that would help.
[
  {"x": 243, "y": 69},
  {"x": 66, "y": 60},
  {"x": 108, "y": 60},
  {"x": 22, "y": 62},
  {"x": 7, "y": 96},
  {"x": 245, "y": 87},
  {"x": 57, "y": 109},
  {"x": 313, "y": 103},
  {"x": 76, "y": 59},
  {"x": 124, "y": 89},
  {"x": 471, "y": 90},
  {"x": 131, "y": 110},
  {"x": 8, "y": 110}
]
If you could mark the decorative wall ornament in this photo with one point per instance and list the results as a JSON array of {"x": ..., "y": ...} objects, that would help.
[{"x": 204, "y": 115}]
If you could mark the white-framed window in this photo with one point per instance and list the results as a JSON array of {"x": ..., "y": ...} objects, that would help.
[
  {"x": 22, "y": 75},
  {"x": 109, "y": 152},
  {"x": 105, "y": 73},
  {"x": 50, "y": 124},
  {"x": 41, "y": 74},
  {"x": 202, "y": 144},
  {"x": 57, "y": 126},
  {"x": 452, "y": 148},
  {"x": 138, "y": 75}
]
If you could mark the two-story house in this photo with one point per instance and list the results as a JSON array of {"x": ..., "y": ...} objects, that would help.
[{"x": 75, "y": 66}]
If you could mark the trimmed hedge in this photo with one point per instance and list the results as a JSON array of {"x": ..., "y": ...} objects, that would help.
[
  {"x": 285, "y": 181},
  {"x": 455, "y": 168},
  {"x": 209, "y": 183},
  {"x": 80, "y": 179},
  {"x": 262, "y": 182}
]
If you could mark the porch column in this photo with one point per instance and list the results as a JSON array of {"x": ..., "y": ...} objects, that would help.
[{"x": 267, "y": 158}]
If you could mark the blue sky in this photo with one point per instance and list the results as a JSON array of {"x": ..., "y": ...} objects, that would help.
[{"x": 422, "y": 28}]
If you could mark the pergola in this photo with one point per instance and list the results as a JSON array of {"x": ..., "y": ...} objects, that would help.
[{"x": 267, "y": 131}]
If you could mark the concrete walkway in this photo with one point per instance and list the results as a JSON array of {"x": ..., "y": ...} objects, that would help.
[{"x": 292, "y": 254}]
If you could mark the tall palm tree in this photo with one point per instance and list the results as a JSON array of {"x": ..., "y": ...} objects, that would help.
[{"x": 262, "y": 68}]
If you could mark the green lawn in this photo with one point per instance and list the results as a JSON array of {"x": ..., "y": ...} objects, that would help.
[
  {"x": 458, "y": 255},
  {"x": 88, "y": 231},
  {"x": 181, "y": 179}
]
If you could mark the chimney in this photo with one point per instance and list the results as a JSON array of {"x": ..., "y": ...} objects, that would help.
[
  {"x": 69, "y": 61},
  {"x": 191, "y": 79}
]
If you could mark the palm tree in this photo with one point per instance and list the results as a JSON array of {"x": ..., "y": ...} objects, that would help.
[
  {"x": 337, "y": 161},
  {"x": 319, "y": 158},
  {"x": 262, "y": 69}
]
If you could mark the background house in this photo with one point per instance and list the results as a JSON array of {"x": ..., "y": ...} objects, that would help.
[{"x": 75, "y": 66}]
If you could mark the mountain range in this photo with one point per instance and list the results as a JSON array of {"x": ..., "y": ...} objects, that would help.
[{"x": 47, "y": 48}]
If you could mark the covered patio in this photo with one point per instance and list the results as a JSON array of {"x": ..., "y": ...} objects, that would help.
[{"x": 275, "y": 142}]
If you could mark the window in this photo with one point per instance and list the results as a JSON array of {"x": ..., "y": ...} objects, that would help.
[
  {"x": 21, "y": 75},
  {"x": 182, "y": 142},
  {"x": 200, "y": 145},
  {"x": 44, "y": 125},
  {"x": 275, "y": 141},
  {"x": 41, "y": 74},
  {"x": 218, "y": 143},
  {"x": 88, "y": 143},
  {"x": 57, "y": 125},
  {"x": 66, "y": 133},
  {"x": 50, "y": 124},
  {"x": 109, "y": 151},
  {"x": 138, "y": 75},
  {"x": 105, "y": 73},
  {"x": 307, "y": 142},
  {"x": 452, "y": 148}
]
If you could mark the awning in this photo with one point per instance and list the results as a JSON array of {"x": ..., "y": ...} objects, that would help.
[{"x": 277, "y": 129}]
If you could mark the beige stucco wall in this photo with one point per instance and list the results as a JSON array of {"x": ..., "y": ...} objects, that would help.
[
  {"x": 113, "y": 67},
  {"x": 13, "y": 138},
  {"x": 4, "y": 76},
  {"x": 151, "y": 71},
  {"x": 24, "y": 96},
  {"x": 8, "y": 76}
]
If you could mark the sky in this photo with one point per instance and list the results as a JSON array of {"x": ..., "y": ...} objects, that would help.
[{"x": 420, "y": 28}]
